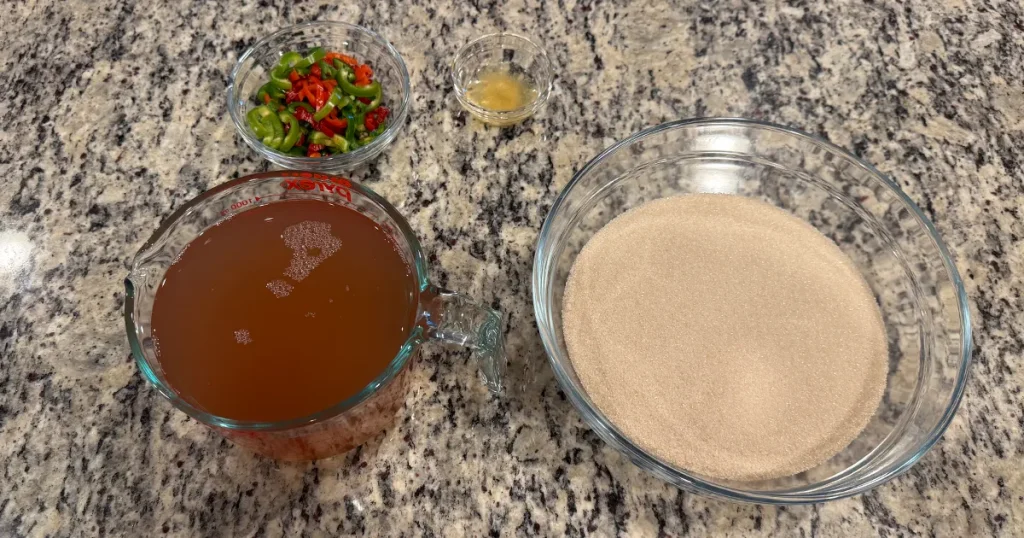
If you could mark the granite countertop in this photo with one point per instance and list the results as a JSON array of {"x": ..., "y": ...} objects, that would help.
[{"x": 114, "y": 115}]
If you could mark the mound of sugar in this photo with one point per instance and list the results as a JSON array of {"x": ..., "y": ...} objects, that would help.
[{"x": 725, "y": 336}]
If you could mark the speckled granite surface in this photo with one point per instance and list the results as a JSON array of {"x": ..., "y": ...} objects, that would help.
[{"x": 113, "y": 115}]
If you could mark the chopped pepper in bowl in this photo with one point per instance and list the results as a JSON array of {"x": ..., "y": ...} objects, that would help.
[
  {"x": 319, "y": 103},
  {"x": 324, "y": 74}
]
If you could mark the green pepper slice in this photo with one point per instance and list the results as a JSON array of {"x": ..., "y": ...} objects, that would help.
[
  {"x": 288, "y": 61},
  {"x": 279, "y": 74},
  {"x": 267, "y": 125},
  {"x": 318, "y": 138},
  {"x": 292, "y": 107},
  {"x": 376, "y": 99},
  {"x": 270, "y": 90},
  {"x": 315, "y": 55},
  {"x": 337, "y": 141},
  {"x": 294, "y": 130},
  {"x": 279, "y": 81},
  {"x": 369, "y": 90},
  {"x": 343, "y": 71},
  {"x": 350, "y": 130}
]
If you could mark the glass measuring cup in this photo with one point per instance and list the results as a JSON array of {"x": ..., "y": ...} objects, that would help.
[{"x": 441, "y": 315}]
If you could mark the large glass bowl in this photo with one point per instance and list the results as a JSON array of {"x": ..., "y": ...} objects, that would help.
[
  {"x": 896, "y": 248},
  {"x": 253, "y": 70}
]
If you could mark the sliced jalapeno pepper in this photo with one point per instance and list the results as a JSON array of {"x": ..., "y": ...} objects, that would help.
[
  {"x": 265, "y": 123},
  {"x": 269, "y": 90},
  {"x": 315, "y": 55},
  {"x": 336, "y": 141},
  {"x": 292, "y": 107},
  {"x": 350, "y": 129},
  {"x": 288, "y": 60},
  {"x": 343, "y": 71},
  {"x": 318, "y": 138},
  {"x": 281, "y": 82},
  {"x": 279, "y": 74},
  {"x": 376, "y": 98},
  {"x": 294, "y": 130},
  {"x": 369, "y": 90},
  {"x": 340, "y": 144}
]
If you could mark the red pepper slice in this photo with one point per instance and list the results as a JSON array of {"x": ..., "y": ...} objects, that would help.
[
  {"x": 303, "y": 115},
  {"x": 319, "y": 96},
  {"x": 364, "y": 75},
  {"x": 307, "y": 94},
  {"x": 331, "y": 56},
  {"x": 324, "y": 128},
  {"x": 334, "y": 122},
  {"x": 376, "y": 117}
]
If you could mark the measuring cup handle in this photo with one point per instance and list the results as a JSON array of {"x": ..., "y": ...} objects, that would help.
[{"x": 458, "y": 320}]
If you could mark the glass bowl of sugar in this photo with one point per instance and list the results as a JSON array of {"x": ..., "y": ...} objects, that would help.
[{"x": 750, "y": 312}]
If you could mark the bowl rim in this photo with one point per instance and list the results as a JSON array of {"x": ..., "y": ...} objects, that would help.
[
  {"x": 681, "y": 478},
  {"x": 340, "y": 159},
  {"x": 522, "y": 112}
]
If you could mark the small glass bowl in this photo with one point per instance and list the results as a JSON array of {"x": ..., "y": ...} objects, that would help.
[
  {"x": 520, "y": 55},
  {"x": 252, "y": 71}
]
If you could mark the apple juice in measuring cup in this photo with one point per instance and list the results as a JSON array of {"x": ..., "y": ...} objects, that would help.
[{"x": 283, "y": 310}]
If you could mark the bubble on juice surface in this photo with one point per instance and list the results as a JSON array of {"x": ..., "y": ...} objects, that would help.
[
  {"x": 311, "y": 243},
  {"x": 242, "y": 337},
  {"x": 279, "y": 288}
]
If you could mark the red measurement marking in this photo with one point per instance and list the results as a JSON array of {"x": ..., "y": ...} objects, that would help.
[
  {"x": 314, "y": 175},
  {"x": 239, "y": 204},
  {"x": 337, "y": 186}
]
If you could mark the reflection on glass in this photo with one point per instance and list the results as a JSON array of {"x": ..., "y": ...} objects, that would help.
[{"x": 15, "y": 252}]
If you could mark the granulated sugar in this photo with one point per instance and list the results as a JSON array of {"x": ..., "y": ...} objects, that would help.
[{"x": 725, "y": 336}]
